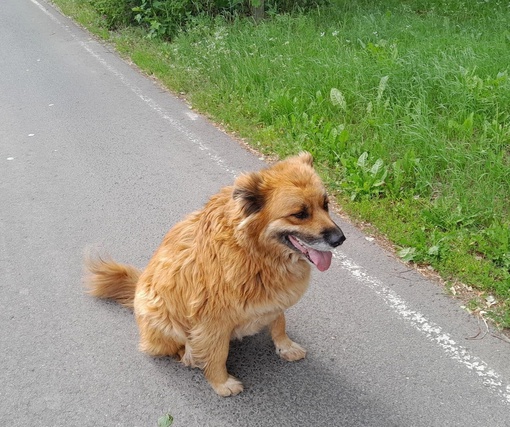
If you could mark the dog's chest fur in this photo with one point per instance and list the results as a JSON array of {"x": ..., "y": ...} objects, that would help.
[
  {"x": 253, "y": 326},
  {"x": 258, "y": 313}
]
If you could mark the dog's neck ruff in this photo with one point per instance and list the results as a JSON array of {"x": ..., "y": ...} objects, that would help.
[{"x": 321, "y": 259}]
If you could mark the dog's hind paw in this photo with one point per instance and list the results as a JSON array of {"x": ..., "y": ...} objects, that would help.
[
  {"x": 291, "y": 353},
  {"x": 231, "y": 387}
]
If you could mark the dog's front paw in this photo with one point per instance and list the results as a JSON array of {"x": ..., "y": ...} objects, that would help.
[
  {"x": 292, "y": 352},
  {"x": 231, "y": 387}
]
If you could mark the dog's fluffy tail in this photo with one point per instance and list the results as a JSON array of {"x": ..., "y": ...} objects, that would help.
[{"x": 110, "y": 280}]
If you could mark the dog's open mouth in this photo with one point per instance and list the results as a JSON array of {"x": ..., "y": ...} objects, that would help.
[{"x": 321, "y": 259}]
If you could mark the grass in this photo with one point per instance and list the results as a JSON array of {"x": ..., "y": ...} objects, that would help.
[{"x": 404, "y": 105}]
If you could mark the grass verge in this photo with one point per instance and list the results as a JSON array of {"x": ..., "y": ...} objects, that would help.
[{"x": 404, "y": 105}]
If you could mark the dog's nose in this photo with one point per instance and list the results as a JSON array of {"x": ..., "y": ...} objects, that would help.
[{"x": 335, "y": 237}]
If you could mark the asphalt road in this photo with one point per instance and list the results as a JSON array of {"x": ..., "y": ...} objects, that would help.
[{"x": 94, "y": 154}]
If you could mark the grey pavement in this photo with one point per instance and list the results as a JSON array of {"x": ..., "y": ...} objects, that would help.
[{"x": 94, "y": 154}]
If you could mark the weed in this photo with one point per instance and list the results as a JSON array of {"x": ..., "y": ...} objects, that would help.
[
  {"x": 165, "y": 421},
  {"x": 363, "y": 179}
]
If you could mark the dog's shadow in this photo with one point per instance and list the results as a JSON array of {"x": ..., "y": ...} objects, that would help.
[{"x": 280, "y": 393}]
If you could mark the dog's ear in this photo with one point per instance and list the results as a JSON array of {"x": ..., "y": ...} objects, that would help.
[
  {"x": 247, "y": 193},
  {"x": 306, "y": 158}
]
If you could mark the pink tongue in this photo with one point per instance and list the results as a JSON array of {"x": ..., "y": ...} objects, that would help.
[{"x": 321, "y": 259}]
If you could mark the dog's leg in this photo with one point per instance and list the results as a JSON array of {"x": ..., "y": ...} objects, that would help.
[
  {"x": 285, "y": 347},
  {"x": 156, "y": 343},
  {"x": 211, "y": 351}
]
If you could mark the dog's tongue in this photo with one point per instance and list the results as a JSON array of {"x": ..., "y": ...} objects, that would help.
[{"x": 321, "y": 259}]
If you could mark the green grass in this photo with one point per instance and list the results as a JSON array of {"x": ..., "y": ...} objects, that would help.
[{"x": 404, "y": 105}]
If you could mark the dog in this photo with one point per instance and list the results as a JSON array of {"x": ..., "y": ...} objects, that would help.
[{"x": 229, "y": 270}]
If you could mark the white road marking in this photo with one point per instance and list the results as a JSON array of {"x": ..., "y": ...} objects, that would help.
[
  {"x": 489, "y": 377},
  {"x": 139, "y": 93},
  {"x": 192, "y": 116}
]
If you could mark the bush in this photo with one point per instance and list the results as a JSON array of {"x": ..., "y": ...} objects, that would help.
[
  {"x": 116, "y": 13},
  {"x": 164, "y": 18}
]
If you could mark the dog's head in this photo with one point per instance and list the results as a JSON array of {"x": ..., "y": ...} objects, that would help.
[{"x": 286, "y": 206}]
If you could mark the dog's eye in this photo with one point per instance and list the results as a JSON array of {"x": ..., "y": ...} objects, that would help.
[
  {"x": 325, "y": 202},
  {"x": 302, "y": 214}
]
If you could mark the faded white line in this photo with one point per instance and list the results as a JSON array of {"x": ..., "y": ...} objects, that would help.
[
  {"x": 40, "y": 6},
  {"x": 193, "y": 138},
  {"x": 489, "y": 377},
  {"x": 192, "y": 116}
]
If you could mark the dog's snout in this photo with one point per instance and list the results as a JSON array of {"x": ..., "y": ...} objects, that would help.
[{"x": 334, "y": 237}]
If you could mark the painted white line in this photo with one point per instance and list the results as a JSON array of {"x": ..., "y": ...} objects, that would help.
[
  {"x": 489, "y": 377},
  {"x": 192, "y": 116},
  {"x": 40, "y": 6},
  {"x": 193, "y": 138}
]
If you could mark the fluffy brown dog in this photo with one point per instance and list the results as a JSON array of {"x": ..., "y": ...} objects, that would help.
[{"x": 229, "y": 270}]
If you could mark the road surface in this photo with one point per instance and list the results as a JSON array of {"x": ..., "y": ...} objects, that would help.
[{"x": 94, "y": 154}]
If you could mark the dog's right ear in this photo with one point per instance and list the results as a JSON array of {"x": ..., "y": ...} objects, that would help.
[
  {"x": 247, "y": 193},
  {"x": 306, "y": 158}
]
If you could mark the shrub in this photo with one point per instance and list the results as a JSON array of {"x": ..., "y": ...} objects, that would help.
[
  {"x": 164, "y": 18},
  {"x": 116, "y": 13}
]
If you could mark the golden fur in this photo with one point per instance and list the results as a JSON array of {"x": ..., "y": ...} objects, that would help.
[{"x": 229, "y": 270}]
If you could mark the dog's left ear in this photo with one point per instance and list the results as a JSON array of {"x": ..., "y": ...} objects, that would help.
[{"x": 247, "y": 193}]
